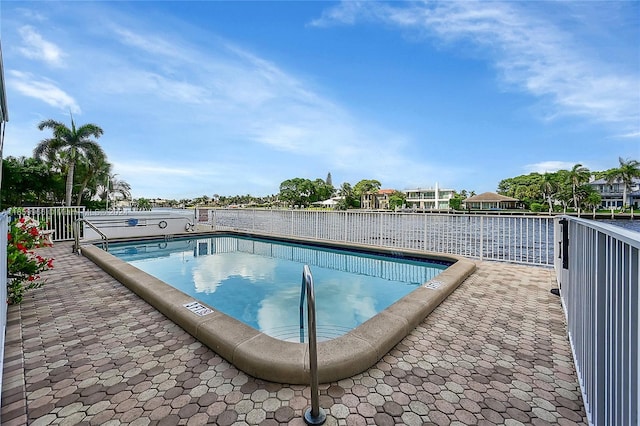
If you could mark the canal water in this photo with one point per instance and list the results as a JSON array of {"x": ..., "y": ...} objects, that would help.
[{"x": 632, "y": 225}]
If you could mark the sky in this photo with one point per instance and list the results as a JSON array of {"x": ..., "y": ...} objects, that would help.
[{"x": 232, "y": 98}]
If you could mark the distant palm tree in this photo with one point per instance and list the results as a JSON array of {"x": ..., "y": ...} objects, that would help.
[
  {"x": 348, "y": 197},
  {"x": 626, "y": 173},
  {"x": 70, "y": 143},
  {"x": 592, "y": 199},
  {"x": 577, "y": 176},
  {"x": 113, "y": 187},
  {"x": 549, "y": 187},
  {"x": 96, "y": 168},
  {"x": 119, "y": 186}
]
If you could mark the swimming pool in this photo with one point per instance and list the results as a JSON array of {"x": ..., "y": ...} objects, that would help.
[
  {"x": 258, "y": 281},
  {"x": 268, "y": 358}
]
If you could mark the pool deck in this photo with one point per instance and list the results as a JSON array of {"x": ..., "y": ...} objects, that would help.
[{"x": 86, "y": 350}]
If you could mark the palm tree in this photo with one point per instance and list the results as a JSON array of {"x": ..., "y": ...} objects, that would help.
[
  {"x": 96, "y": 168},
  {"x": 626, "y": 173},
  {"x": 549, "y": 187},
  {"x": 119, "y": 186},
  {"x": 577, "y": 176},
  {"x": 70, "y": 142},
  {"x": 348, "y": 197},
  {"x": 113, "y": 187},
  {"x": 592, "y": 199}
]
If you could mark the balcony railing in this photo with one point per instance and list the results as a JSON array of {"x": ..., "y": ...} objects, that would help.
[
  {"x": 59, "y": 219},
  {"x": 518, "y": 239},
  {"x": 4, "y": 229},
  {"x": 597, "y": 268}
]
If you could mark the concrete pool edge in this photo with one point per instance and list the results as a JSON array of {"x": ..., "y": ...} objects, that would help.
[{"x": 275, "y": 360}]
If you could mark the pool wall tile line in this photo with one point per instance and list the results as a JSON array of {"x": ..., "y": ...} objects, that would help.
[{"x": 267, "y": 358}]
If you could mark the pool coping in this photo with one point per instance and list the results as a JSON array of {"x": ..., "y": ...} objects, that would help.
[{"x": 268, "y": 358}]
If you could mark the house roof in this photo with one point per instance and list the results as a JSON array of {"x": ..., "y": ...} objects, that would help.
[
  {"x": 605, "y": 181},
  {"x": 330, "y": 202},
  {"x": 386, "y": 191},
  {"x": 489, "y": 197}
]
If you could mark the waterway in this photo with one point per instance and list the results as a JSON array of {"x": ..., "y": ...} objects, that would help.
[{"x": 632, "y": 225}]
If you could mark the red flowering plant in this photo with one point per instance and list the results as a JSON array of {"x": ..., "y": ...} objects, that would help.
[{"x": 24, "y": 265}]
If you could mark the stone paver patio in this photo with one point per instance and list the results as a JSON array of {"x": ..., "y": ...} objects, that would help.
[{"x": 85, "y": 350}]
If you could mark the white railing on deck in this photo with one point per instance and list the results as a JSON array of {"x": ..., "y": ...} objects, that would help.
[
  {"x": 597, "y": 268},
  {"x": 59, "y": 219},
  {"x": 518, "y": 239},
  {"x": 4, "y": 229}
]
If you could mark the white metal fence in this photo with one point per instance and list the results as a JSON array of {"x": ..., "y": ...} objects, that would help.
[
  {"x": 58, "y": 219},
  {"x": 4, "y": 229},
  {"x": 597, "y": 268},
  {"x": 518, "y": 239}
]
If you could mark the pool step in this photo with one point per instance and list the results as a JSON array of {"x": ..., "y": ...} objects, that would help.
[{"x": 293, "y": 333}]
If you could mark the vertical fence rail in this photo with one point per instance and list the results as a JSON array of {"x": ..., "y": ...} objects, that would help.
[
  {"x": 4, "y": 229},
  {"x": 597, "y": 268},
  {"x": 59, "y": 219},
  {"x": 517, "y": 239}
]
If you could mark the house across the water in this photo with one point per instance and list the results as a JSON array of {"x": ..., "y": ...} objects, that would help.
[
  {"x": 612, "y": 193},
  {"x": 428, "y": 198},
  {"x": 491, "y": 201}
]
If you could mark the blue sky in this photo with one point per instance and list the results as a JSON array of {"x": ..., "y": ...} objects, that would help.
[{"x": 203, "y": 98}]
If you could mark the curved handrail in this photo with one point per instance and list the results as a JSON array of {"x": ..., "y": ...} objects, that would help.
[
  {"x": 76, "y": 234},
  {"x": 315, "y": 415}
]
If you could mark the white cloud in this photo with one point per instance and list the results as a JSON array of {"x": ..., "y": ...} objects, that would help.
[
  {"x": 532, "y": 54},
  {"x": 630, "y": 135},
  {"x": 36, "y": 47},
  {"x": 235, "y": 92},
  {"x": 42, "y": 89},
  {"x": 147, "y": 83},
  {"x": 159, "y": 170},
  {"x": 186, "y": 119}
]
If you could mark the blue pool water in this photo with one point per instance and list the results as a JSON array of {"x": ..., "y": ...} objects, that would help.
[{"x": 258, "y": 281}]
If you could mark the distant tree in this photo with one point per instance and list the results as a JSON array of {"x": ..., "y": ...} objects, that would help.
[
  {"x": 592, "y": 199},
  {"x": 627, "y": 171},
  {"x": 302, "y": 192},
  {"x": 29, "y": 181},
  {"x": 564, "y": 195},
  {"x": 202, "y": 201},
  {"x": 455, "y": 202},
  {"x": 549, "y": 186},
  {"x": 92, "y": 169},
  {"x": 397, "y": 199},
  {"x": 577, "y": 176},
  {"x": 296, "y": 191},
  {"x": 72, "y": 142},
  {"x": 524, "y": 187},
  {"x": 366, "y": 186},
  {"x": 142, "y": 204},
  {"x": 536, "y": 207},
  {"x": 321, "y": 190},
  {"x": 348, "y": 199},
  {"x": 119, "y": 187}
]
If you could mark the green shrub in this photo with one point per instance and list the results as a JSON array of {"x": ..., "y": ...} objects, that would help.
[{"x": 536, "y": 207}]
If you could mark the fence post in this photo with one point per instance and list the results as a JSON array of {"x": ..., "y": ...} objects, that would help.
[
  {"x": 481, "y": 237},
  {"x": 4, "y": 229}
]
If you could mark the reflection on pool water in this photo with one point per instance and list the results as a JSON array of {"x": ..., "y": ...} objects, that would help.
[{"x": 258, "y": 281}]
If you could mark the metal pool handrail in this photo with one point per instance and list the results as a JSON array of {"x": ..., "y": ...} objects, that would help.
[
  {"x": 76, "y": 234},
  {"x": 314, "y": 415}
]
